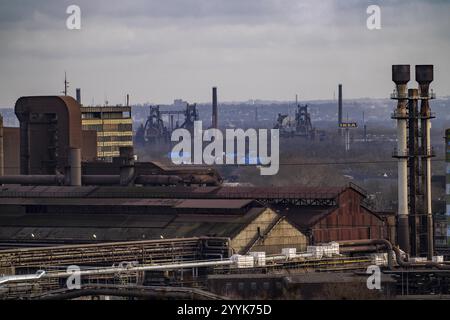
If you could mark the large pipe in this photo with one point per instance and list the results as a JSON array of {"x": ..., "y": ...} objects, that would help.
[
  {"x": 2, "y": 156},
  {"x": 26, "y": 277},
  {"x": 158, "y": 180},
  {"x": 215, "y": 118},
  {"x": 75, "y": 166},
  {"x": 401, "y": 77},
  {"x": 33, "y": 179},
  {"x": 424, "y": 76},
  {"x": 396, "y": 251},
  {"x": 90, "y": 180},
  {"x": 155, "y": 267},
  {"x": 378, "y": 242}
]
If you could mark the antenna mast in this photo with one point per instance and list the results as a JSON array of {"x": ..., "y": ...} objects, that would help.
[{"x": 66, "y": 84}]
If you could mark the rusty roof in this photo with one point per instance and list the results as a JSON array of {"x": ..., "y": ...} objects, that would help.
[{"x": 213, "y": 203}]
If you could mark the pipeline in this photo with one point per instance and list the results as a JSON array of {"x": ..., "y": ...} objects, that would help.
[
  {"x": 388, "y": 245},
  {"x": 38, "y": 275},
  {"x": 398, "y": 254},
  {"x": 33, "y": 179},
  {"x": 120, "y": 268},
  {"x": 89, "y": 180}
]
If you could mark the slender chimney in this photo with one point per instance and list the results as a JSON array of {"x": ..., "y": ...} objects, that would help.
[
  {"x": 215, "y": 121},
  {"x": 340, "y": 104},
  {"x": 78, "y": 90},
  {"x": 424, "y": 76},
  {"x": 128, "y": 100},
  {"x": 401, "y": 77}
]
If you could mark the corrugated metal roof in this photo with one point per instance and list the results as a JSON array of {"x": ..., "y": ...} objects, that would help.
[
  {"x": 305, "y": 217},
  {"x": 113, "y": 227}
]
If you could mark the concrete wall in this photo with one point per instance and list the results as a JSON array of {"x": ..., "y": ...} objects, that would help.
[{"x": 281, "y": 236}]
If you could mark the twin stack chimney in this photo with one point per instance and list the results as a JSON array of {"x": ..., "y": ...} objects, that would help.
[{"x": 414, "y": 152}]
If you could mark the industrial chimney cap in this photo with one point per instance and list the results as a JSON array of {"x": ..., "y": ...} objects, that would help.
[
  {"x": 401, "y": 73},
  {"x": 424, "y": 73}
]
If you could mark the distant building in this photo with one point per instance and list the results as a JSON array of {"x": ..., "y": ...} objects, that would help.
[
  {"x": 114, "y": 127},
  {"x": 180, "y": 103}
]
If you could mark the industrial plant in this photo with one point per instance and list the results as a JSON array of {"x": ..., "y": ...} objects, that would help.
[{"x": 136, "y": 229}]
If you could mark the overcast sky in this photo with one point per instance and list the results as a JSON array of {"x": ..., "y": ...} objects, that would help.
[{"x": 159, "y": 50}]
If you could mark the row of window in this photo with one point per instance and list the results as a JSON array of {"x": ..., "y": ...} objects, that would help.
[
  {"x": 114, "y": 138},
  {"x": 108, "y": 127},
  {"x": 106, "y": 115}
]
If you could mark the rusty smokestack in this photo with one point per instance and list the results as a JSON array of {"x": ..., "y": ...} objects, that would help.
[{"x": 215, "y": 120}]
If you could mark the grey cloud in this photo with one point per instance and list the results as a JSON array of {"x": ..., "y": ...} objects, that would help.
[{"x": 161, "y": 49}]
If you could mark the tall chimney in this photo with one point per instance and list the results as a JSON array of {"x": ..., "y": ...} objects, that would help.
[
  {"x": 401, "y": 76},
  {"x": 128, "y": 100},
  {"x": 215, "y": 120},
  {"x": 340, "y": 104},
  {"x": 78, "y": 90},
  {"x": 424, "y": 76}
]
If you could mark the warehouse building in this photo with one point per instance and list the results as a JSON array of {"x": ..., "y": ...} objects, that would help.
[{"x": 89, "y": 214}]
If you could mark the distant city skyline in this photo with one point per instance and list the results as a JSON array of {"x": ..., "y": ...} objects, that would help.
[{"x": 161, "y": 50}]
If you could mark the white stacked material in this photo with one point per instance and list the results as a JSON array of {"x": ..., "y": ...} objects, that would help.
[
  {"x": 380, "y": 259},
  {"x": 324, "y": 250},
  {"x": 243, "y": 261},
  {"x": 417, "y": 259},
  {"x": 330, "y": 249},
  {"x": 315, "y": 251},
  {"x": 290, "y": 253},
  {"x": 259, "y": 258},
  {"x": 438, "y": 259}
]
